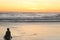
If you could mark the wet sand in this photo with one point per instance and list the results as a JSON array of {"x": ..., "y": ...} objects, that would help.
[{"x": 31, "y": 31}]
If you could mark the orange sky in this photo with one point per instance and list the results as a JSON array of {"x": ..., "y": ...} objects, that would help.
[{"x": 30, "y": 5}]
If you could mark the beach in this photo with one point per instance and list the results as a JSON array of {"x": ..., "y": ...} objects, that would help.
[{"x": 31, "y": 31}]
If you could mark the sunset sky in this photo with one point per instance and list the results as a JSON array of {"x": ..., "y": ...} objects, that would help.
[{"x": 30, "y": 5}]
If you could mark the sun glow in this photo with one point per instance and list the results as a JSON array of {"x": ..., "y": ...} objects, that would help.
[{"x": 30, "y": 5}]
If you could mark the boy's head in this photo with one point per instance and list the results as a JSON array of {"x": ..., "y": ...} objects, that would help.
[{"x": 8, "y": 29}]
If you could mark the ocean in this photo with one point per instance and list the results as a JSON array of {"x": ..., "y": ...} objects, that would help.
[{"x": 31, "y": 30}]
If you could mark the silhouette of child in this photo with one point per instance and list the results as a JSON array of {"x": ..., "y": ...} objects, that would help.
[{"x": 8, "y": 35}]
